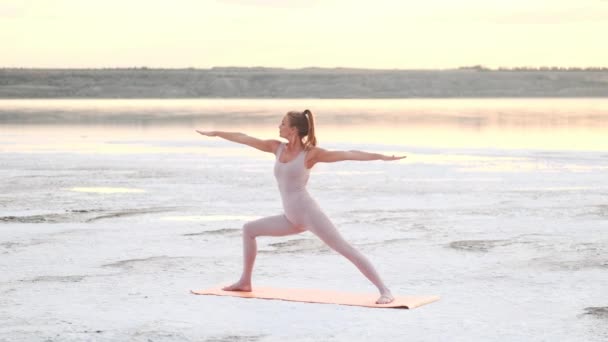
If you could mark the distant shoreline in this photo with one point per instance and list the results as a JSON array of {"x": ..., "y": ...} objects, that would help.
[
  {"x": 306, "y": 69},
  {"x": 304, "y": 98},
  {"x": 317, "y": 83}
]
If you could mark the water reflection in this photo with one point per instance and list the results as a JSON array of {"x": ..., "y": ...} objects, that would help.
[{"x": 95, "y": 126}]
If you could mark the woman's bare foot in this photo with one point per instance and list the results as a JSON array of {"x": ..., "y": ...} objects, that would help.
[
  {"x": 238, "y": 286},
  {"x": 385, "y": 298}
]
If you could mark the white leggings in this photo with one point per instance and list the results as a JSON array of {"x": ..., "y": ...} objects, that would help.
[{"x": 319, "y": 225}]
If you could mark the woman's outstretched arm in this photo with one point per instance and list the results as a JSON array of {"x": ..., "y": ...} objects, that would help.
[
  {"x": 241, "y": 138},
  {"x": 325, "y": 156}
]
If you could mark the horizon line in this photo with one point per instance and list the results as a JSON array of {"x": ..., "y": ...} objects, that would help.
[{"x": 472, "y": 67}]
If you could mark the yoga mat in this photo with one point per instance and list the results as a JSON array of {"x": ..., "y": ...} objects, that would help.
[{"x": 323, "y": 296}]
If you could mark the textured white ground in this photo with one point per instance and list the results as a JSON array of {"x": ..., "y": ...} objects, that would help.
[{"x": 101, "y": 239}]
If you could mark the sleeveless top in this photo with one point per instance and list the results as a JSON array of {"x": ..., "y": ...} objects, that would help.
[
  {"x": 291, "y": 176},
  {"x": 300, "y": 208}
]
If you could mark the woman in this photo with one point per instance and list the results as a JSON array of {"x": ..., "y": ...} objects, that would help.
[{"x": 292, "y": 168}]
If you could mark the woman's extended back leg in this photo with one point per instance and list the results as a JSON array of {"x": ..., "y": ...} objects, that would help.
[{"x": 322, "y": 227}]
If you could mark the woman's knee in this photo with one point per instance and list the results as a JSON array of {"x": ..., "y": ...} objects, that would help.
[{"x": 249, "y": 230}]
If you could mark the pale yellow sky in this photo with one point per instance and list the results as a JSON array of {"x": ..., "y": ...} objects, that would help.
[{"x": 302, "y": 33}]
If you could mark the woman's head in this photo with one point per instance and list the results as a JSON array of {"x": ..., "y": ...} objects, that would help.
[{"x": 301, "y": 124}]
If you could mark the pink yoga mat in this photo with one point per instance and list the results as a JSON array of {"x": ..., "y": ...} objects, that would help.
[{"x": 323, "y": 296}]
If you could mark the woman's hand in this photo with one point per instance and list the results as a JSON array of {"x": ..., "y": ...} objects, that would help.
[
  {"x": 386, "y": 158},
  {"x": 207, "y": 133}
]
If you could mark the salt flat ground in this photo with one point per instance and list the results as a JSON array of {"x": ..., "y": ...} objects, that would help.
[{"x": 104, "y": 228}]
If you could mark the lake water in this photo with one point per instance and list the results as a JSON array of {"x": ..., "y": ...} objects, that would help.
[{"x": 112, "y": 210}]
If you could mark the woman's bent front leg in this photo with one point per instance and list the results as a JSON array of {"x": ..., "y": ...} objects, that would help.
[{"x": 268, "y": 226}]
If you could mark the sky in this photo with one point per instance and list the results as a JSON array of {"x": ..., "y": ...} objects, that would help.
[{"x": 378, "y": 34}]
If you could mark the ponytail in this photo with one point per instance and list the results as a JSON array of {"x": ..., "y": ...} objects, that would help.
[
  {"x": 305, "y": 124},
  {"x": 311, "y": 140}
]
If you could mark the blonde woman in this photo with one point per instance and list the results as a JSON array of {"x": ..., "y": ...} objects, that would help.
[{"x": 294, "y": 160}]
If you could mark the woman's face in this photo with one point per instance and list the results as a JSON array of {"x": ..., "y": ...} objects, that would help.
[{"x": 284, "y": 130}]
